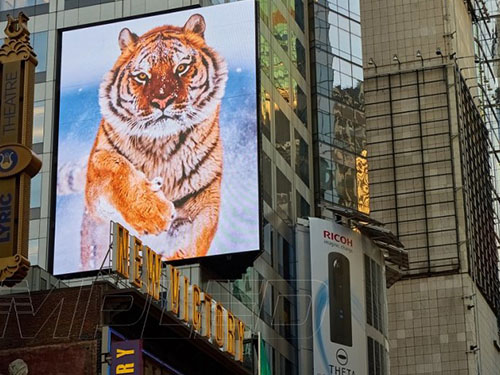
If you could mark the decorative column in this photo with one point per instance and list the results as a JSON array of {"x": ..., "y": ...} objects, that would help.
[{"x": 18, "y": 163}]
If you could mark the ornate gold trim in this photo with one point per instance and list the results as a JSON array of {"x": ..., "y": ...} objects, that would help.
[
  {"x": 17, "y": 43},
  {"x": 362, "y": 183},
  {"x": 13, "y": 269}
]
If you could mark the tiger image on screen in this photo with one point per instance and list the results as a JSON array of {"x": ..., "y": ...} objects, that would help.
[{"x": 156, "y": 163}]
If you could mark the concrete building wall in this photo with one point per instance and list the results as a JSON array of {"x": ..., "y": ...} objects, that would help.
[
  {"x": 417, "y": 182},
  {"x": 427, "y": 329},
  {"x": 395, "y": 27},
  {"x": 489, "y": 352}
]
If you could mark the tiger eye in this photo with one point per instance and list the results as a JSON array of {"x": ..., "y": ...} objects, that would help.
[
  {"x": 182, "y": 68},
  {"x": 142, "y": 76}
]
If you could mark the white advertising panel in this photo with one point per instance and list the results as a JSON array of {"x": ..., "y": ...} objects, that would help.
[{"x": 338, "y": 297}]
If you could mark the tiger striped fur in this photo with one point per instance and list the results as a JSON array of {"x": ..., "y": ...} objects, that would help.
[{"x": 156, "y": 163}]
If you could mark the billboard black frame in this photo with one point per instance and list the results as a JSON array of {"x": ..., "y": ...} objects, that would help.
[{"x": 240, "y": 261}]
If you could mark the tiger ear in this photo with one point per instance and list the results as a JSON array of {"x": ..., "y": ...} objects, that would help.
[
  {"x": 195, "y": 24},
  {"x": 126, "y": 38}
]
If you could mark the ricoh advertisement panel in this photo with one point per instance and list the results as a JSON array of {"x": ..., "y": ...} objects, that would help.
[
  {"x": 158, "y": 131},
  {"x": 338, "y": 295}
]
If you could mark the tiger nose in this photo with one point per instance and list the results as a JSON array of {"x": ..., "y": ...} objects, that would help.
[{"x": 162, "y": 103}]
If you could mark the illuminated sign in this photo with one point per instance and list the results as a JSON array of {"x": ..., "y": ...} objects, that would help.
[
  {"x": 126, "y": 357},
  {"x": 18, "y": 164},
  {"x": 158, "y": 130},
  {"x": 186, "y": 302}
]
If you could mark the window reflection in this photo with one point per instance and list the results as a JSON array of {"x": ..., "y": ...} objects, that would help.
[
  {"x": 40, "y": 44},
  {"x": 265, "y": 113},
  {"x": 264, "y": 11},
  {"x": 337, "y": 176},
  {"x": 33, "y": 246},
  {"x": 6, "y": 4},
  {"x": 267, "y": 190},
  {"x": 299, "y": 102},
  {"x": 303, "y": 208},
  {"x": 24, "y": 3},
  {"x": 298, "y": 55},
  {"x": 38, "y": 121},
  {"x": 36, "y": 191},
  {"x": 280, "y": 28},
  {"x": 297, "y": 11},
  {"x": 281, "y": 78},
  {"x": 284, "y": 196},
  {"x": 282, "y": 129},
  {"x": 301, "y": 158},
  {"x": 265, "y": 56}
]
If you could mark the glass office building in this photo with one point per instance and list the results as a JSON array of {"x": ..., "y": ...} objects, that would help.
[{"x": 312, "y": 145}]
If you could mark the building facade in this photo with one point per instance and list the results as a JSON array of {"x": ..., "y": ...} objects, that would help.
[
  {"x": 312, "y": 159},
  {"x": 432, "y": 142}
]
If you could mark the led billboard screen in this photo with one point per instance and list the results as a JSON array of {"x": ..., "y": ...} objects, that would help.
[{"x": 158, "y": 131}]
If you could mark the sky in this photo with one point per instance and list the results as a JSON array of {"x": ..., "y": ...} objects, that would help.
[{"x": 88, "y": 53}]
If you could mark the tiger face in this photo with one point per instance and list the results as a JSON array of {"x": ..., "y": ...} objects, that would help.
[{"x": 164, "y": 82}]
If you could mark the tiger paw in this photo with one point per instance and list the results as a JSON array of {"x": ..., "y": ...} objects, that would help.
[{"x": 151, "y": 214}]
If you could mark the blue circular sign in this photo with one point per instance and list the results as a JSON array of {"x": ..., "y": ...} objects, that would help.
[{"x": 8, "y": 160}]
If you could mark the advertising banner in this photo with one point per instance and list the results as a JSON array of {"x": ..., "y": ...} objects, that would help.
[
  {"x": 338, "y": 295},
  {"x": 126, "y": 357},
  {"x": 158, "y": 132}
]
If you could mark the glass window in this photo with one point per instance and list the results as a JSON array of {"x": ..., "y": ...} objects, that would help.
[
  {"x": 356, "y": 47},
  {"x": 345, "y": 180},
  {"x": 284, "y": 196},
  {"x": 325, "y": 127},
  {"x": 267, "y": 189},
  {"x": 355, "y": 28},
  {"x": 268, "y": 239},
  {"x": 265, "y": 112},
  {"x": 299, "y": 102},
  {"x": 345, "y": 43},
  {"x": 265, "y": 56},
  {"x": 36, "y": 191},
  {"x": 38, "y": 120},
  {"x": 280, "y": 28},
  {"x": 24, "y": 3},
  {"x": 354, "y": 7},
  {"x": 343, "y": 6},
  {"x": 297, "y": 12},
  {"x": 281, "y": 78},
  {"x": 323, "y": 79},
  {"x": 264, "y": 11},
  {"x": 301, "y": 158},
  {"x": 243, "y": 289},
  {"x": 343, "y": 23},
  {"x": 33, "y": 247},
  {"x": 286, "y": 263},
  {"x": 375, "y": 302},
  {"x": 298, "y": 55},
  {"x": 6, "y": 4},
  {"x": 265, "y": 300},
  {"x": 282, "y": 129},
  {"x": 303, "y": 208},
  {"x": 40, "y": 46},
  {"x": 326, "y": 173}
]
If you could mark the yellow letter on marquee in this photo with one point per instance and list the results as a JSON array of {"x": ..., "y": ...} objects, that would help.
[
  {"x": 231, "y": 337},
  {"x": 219, "y": 325},
  {"x": 195, "y": 306},
  {"x": 241, "y": 337},
  {"x": 120, "y": 250},
  {"x": 173, "y": 304},
  {"x": 206, "y": 329},
  {"x": 136, "y": 262}
]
